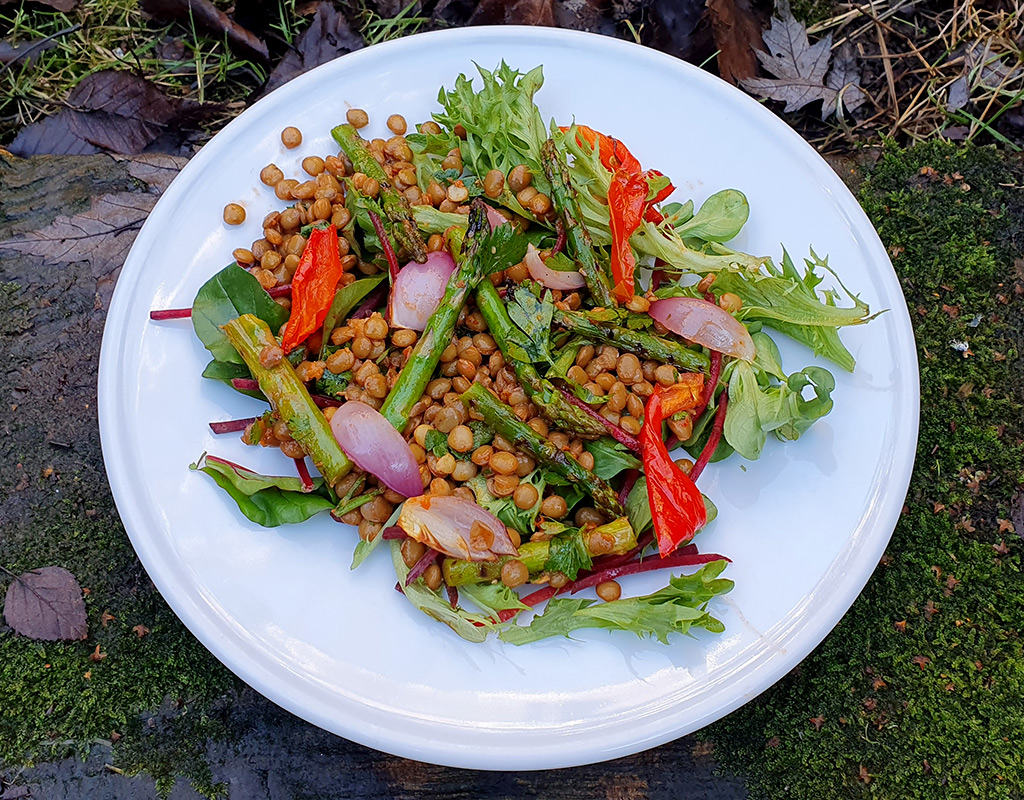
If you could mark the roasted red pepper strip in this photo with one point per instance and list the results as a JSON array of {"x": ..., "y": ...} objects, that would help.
[
  {"x": 313, "y": 286},
  {"x": 627, "y": 199},
  {"x": 613, "y": 153},
  {"x": 677, "y": 508},
  {"x": 628, "y": 204}
]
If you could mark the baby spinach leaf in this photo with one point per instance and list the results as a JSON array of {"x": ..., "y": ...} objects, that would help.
[
  {"x": 345, "y": 300},
  {"x": 227, "y": 371},
  {"x": 266, "y": 500},
  {"x": 226, "y": 296},
  {"x": 638, "y": 507},
  {"x": 610, "y": 457}
]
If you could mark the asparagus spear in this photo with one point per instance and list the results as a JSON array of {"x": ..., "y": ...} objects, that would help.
[
  {"x": 394, "y": 204},
  {"x": 534, "y": 554},
  {"x": 577, "y": 236},
  {"x": 286, "y": 393},
  {"x": 413, "y": 379},
  {"x": 500, "y": 418},
  {"x": 542, "y": 392},
  {"x": 645, "y": 345}
]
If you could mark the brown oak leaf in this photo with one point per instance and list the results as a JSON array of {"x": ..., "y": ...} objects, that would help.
[
  {"x": 817, "y": 722},
  {"x": 920, "y": 661},
  {"x": 140, "y": 630}
]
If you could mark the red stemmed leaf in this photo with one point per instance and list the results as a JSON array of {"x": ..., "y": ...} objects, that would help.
[{"x": 46, "y": 604}]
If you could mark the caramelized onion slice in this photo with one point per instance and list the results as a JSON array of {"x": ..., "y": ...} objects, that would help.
[
  {"x": 375, "y": 446},
  {"x": 418, "y": 290},
  {"x": 705, "y": 324},
  {"x": 552, "y": 278},
  {"x": 457, "y": 527}
]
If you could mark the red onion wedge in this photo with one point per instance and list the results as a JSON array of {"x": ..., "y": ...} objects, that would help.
[
  {"x": 418, "y": 290},
  {"x": 375, "y": 446},
  {"x": 494, "y": 219},
  {"x": 552, "y": 278},
  {"x": 706, "y": 324},
  {"x": 458, "y": 528}
]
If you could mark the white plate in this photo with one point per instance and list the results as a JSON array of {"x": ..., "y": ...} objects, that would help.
[{"x": 804, "y": 526}]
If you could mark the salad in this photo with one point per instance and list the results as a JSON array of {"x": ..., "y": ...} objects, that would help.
[{"x": 510, "y": 356}]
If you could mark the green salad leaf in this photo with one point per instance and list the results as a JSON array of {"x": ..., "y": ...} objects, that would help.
[
  {"x": 758, "y": 405},
  {"x": 719, "y": 219},
  {"x": 472, "y": 627},
  {"x": 610, "y": 457},
  {"x": 505, "y": 508},
  {"x": 364, "y": 547},
  {"x": 266, "y": 500},
  {"x": 492, "y": 598},
  {"x": 677, "y": 609},
  {"x": 345, "y": 300},
  {"x": 568, "y": 554},
  {"x": 227, "y": 371},
  {"x": 228, "y": 295},
  {"x": 532, "y": 316},
  {"x": 503, "y": 126},
  {"x": 638, "y": 507},
  {"x": 792, "y": 304}
]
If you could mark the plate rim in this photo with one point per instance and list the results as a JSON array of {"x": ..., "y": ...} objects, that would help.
[{"x": 566, "y": 752}]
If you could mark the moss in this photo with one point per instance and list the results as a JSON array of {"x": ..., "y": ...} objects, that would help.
[
  {"x": 56, "y": 509},
  {"x": 812, "y": 11},
  {"x": 919, "y": 692}
]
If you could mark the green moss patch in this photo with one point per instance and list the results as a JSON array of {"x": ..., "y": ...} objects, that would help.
[{"x": 919, "y": 691}]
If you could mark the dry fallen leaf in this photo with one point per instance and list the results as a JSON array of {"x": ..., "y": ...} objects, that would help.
[
  {"x": 736, "y": 28},
  {"x": 46, "y": 604},
  {"x": 204, "y": 15},
  {"x": 514, "y": 12},
  {"x": 113, "y": 110},
  {"x": 676, "y": 27},
  {"x": 58, "y": 5},
  {"x": 800, "y": 69},
  {"x": 329, "y": 35}
]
